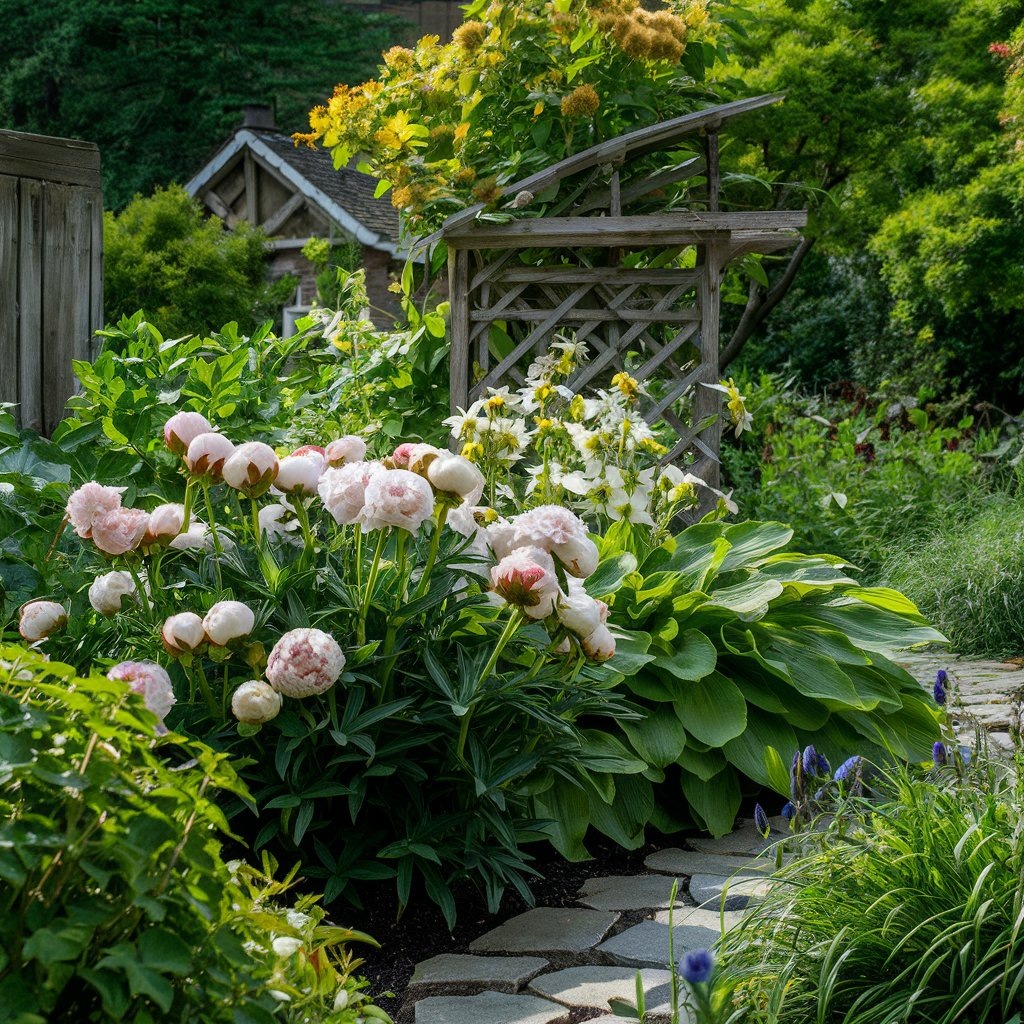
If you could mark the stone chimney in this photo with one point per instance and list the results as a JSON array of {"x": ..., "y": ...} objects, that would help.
[{"x": 259, "y": 116}]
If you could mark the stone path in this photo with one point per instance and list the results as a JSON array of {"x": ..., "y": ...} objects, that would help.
[
  {"x": 564, "y": 966},
  {"x": 556, "y": 966}
]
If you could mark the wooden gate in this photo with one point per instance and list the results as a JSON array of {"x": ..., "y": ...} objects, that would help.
[{"x": 51, "y": 270}]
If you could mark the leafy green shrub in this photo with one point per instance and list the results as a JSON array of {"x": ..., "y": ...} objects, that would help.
[
  {"x": 968, "y": 576},
  {"x": 738, "y": 652},
  {"x": 907, "y": 908},
  {"x": 852, "y": 477},
  {"x": 116, "y": 903},
  {"x": 163, "y": 255}
]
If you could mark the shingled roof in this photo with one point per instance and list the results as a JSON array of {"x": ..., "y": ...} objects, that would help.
[{"x": 346, "y": 196}]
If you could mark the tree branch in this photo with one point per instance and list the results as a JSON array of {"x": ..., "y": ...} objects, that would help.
[{"x": 761, "y": 303}]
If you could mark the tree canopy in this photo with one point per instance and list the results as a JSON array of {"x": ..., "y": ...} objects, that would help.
[{"x": 159, "y": 83}]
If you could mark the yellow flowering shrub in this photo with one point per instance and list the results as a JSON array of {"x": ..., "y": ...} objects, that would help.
[{"x": 520, "y": 86}]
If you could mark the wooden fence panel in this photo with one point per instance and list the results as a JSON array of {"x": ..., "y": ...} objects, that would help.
[
  {"x": 8, "y": 289},
  {"x": 30, "y": 304}
]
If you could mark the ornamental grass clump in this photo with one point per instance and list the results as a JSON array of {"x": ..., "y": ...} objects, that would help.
[{"x": 908, "y": 907}]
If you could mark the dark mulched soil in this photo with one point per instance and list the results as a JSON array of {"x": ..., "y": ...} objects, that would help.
[{"x": 422, "y": 932}]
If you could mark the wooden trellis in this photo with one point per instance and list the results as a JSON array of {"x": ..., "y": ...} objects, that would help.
[{"x": 612, "y": 278}]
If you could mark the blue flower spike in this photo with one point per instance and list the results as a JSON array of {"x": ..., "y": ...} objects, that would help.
[
  {"x": 696, "y": 966},
  {"x": 761, "y": 822},
  {"x": 788, "y": 811},
  {"x": 939, "y": 756},
  {"x": 850, "y": 767},
  {"x": 810, "y": 760},
  {"x": 939, "y": 689}
]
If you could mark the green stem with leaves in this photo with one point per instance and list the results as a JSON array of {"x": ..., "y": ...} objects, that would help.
[
  {"x": 371, "y": 582},
  {"x": 435, "y": 544}
]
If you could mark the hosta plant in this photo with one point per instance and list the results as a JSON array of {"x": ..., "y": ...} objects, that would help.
[{"x": 116, "y": 902}]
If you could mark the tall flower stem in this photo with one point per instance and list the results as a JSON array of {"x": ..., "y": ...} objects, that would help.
[
  {"x": 190, "y": 497},
  {"x": 216, "y": 538},
  {"x": 371, "y": 582},
  {"x": 307, "y": 536},
  {"x": 204, "y": 685},
  {"x": 255, "y": 521},
  {"x": 507, "y": 633},
  {"x": 435, "y": 544},
  {"x": 143, "y": 596}
]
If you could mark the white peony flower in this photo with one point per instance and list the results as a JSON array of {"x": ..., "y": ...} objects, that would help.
[
  {"x": 559, "y": 531},
  {"x": 599, "y": 645},
  {"x": 256, "y": 702},
  {"x": 397, "y": 498},
  {"x": 421, "y": 456},
  {"x": 526, "y": 578},
  {"x": 88, "y": 503},
  {"x": 251, "y": 469},
  {"x": 227, "y": 621},
  {"x": 165, "y": 523},
  {"x": 305, "y": 662},
  {"x": 108, "y": 591},
  {"x": 299, "y": 474},
  {"x": 207, "y": 454},
  {"x": 578, "y": 611},
  {"x": 278, "y": 520},
  {"x": 286, "y": 945},
  {"x": 149, "y": 679},
  {"x": 197, "y": 537},
  {"x": 182, "y": 428},
  {"x": 119, "y": 531},
  {"x": 452, "y": 474},
  {"x": 344, "y": 450},
  {"x": 40, "y": 619},
  {"x": 343, "y": 490},
  {"x": 182, "y": 634}
]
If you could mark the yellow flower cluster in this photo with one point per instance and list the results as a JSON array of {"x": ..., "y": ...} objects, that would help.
[{"x": 583, "y": 101}]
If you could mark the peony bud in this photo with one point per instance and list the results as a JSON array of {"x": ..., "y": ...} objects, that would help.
[
  {"x": 120, "y": 531},
  {"x": 399, "y": 458},
  {"x": 207, "y": 454},
  {"x": 182, "y": 428},
  {"x": 344, "y": 450},
  {"x": 41, "y": 618},
  {"x": 108, "y": 591},
  {"x": 421, "y": 456},
  {"x": 251, "y": 469},
  {"x": 599, "y": 645},
  {"x": 150, "y": 680},
  {"x": 165, "y": 523},
  {"x": 526, "y": 578},
  {"x": 453, "y": 474},
  {"x": 182, "y": 634},
  {"x": 299, "y": 474},
  {"x": 579, "y": 555},
  {"x": 305, "y": 449},
  {"x": 90, "y": 501},
  {"x": 305, "y": 662},
  {"x": 227, "y": 621},
  {"x": 578, "y": 611},
  {"x": 255, "y": 702}
]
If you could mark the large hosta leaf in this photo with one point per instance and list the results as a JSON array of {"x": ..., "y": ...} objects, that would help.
[
  {"x": 659, "y": 738},
  {"x": 712, "y": 709},
  {"x": 747, "y": 752},
  {"x": 625, "y": 818},
  {"x": 567, "y": 809},
  {"x": 693, "y": 656},
  {"x": 752, "y": 541},
  {"x": 716, "y": 801}
]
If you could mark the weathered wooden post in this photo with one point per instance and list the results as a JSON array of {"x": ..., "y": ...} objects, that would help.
[{"x": 51, "y": 270}]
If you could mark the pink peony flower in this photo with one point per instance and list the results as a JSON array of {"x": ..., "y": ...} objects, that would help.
[
  {"x": 207, "y": 454},
  {"x": 165, "y": 523},
  {"x": 90, "y": 501},
  {"x": 559, "y": 531},
  {"x": 150, "y": 680},
  {"x": 344, "y": 450},
  {"x": 305, "y": 662},
  {"x": 599, "y": 645},
  {"x": 305, "y": 449},
  {"x": 39, "y": 619},
  {"x": 452, "y": 474},
  {"x": 343, "y": 490},
  {"x": 526, "y": 578},
  {"x": 119, "y": 531},
  {"x": 251, "y": 469},
  {"x": 400, "y": 456},
  {"x": 182, "y": 634},
  {"x": 182, "y": 428},
  {"x": 397, "y": 498},
  {"x": 299, "y": 474},
  {"x": 255, "y": 702},
  {"x": 107, "y": 592},
  {"x": 421, "y": 456},
  {"x": 227, "y": 621}
]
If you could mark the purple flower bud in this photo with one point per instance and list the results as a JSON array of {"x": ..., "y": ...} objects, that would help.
[
  {"x": 851, "y": 766},
  {"x": 696, "y": 966},
  {"x": 761, "y": 822},
  {"x": 939, "y": 754},
  {"x": 815, "y": 763},
  {"x": 788, "y": 811},
  {"x": 939, "y": 690}
]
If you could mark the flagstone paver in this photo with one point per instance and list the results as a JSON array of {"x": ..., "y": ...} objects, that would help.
[
  {"x": 706, "y": 917},
  {"x": 595, "y": 986},
  {"x": 646, "y": 943},
  {"x": 460, "y": 970},
  {"x": 707, "y": 891},
  {"x": 629, "y": 892},
  {"x": 489, "y": 1008},
  {"x": 688, "y": 862},
  {"x": 548, "y": 930}
]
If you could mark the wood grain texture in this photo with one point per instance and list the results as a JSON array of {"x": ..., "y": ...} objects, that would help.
[
  {"x": 69, "y": 161},
  {"x": 30, "y": 303},
  {"x": 8, "y": 289}
]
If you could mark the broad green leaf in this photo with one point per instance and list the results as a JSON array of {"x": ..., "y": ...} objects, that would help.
[
  {"x": 567, "y": 809},
  {"x": 608, "y": 577},
  {"x": 625, "y": 818},
  {"x": 777, "y": 770},
  {"x": 712, "y": 709},
  {"x": 752, "y": 541},
  {"x": 659, "y": 738},
  {"x": 715, "y": 801},
  {"x": 631, "y": 654},
  {"x": 604, "y": 753},
  {"x": 763, "y": 732},
  {"x": 164, "y": 951},
  {"x": 694, "y": 657},
  {"x": 749, "y": 600},
  {"x": 705, "y": 764}
]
